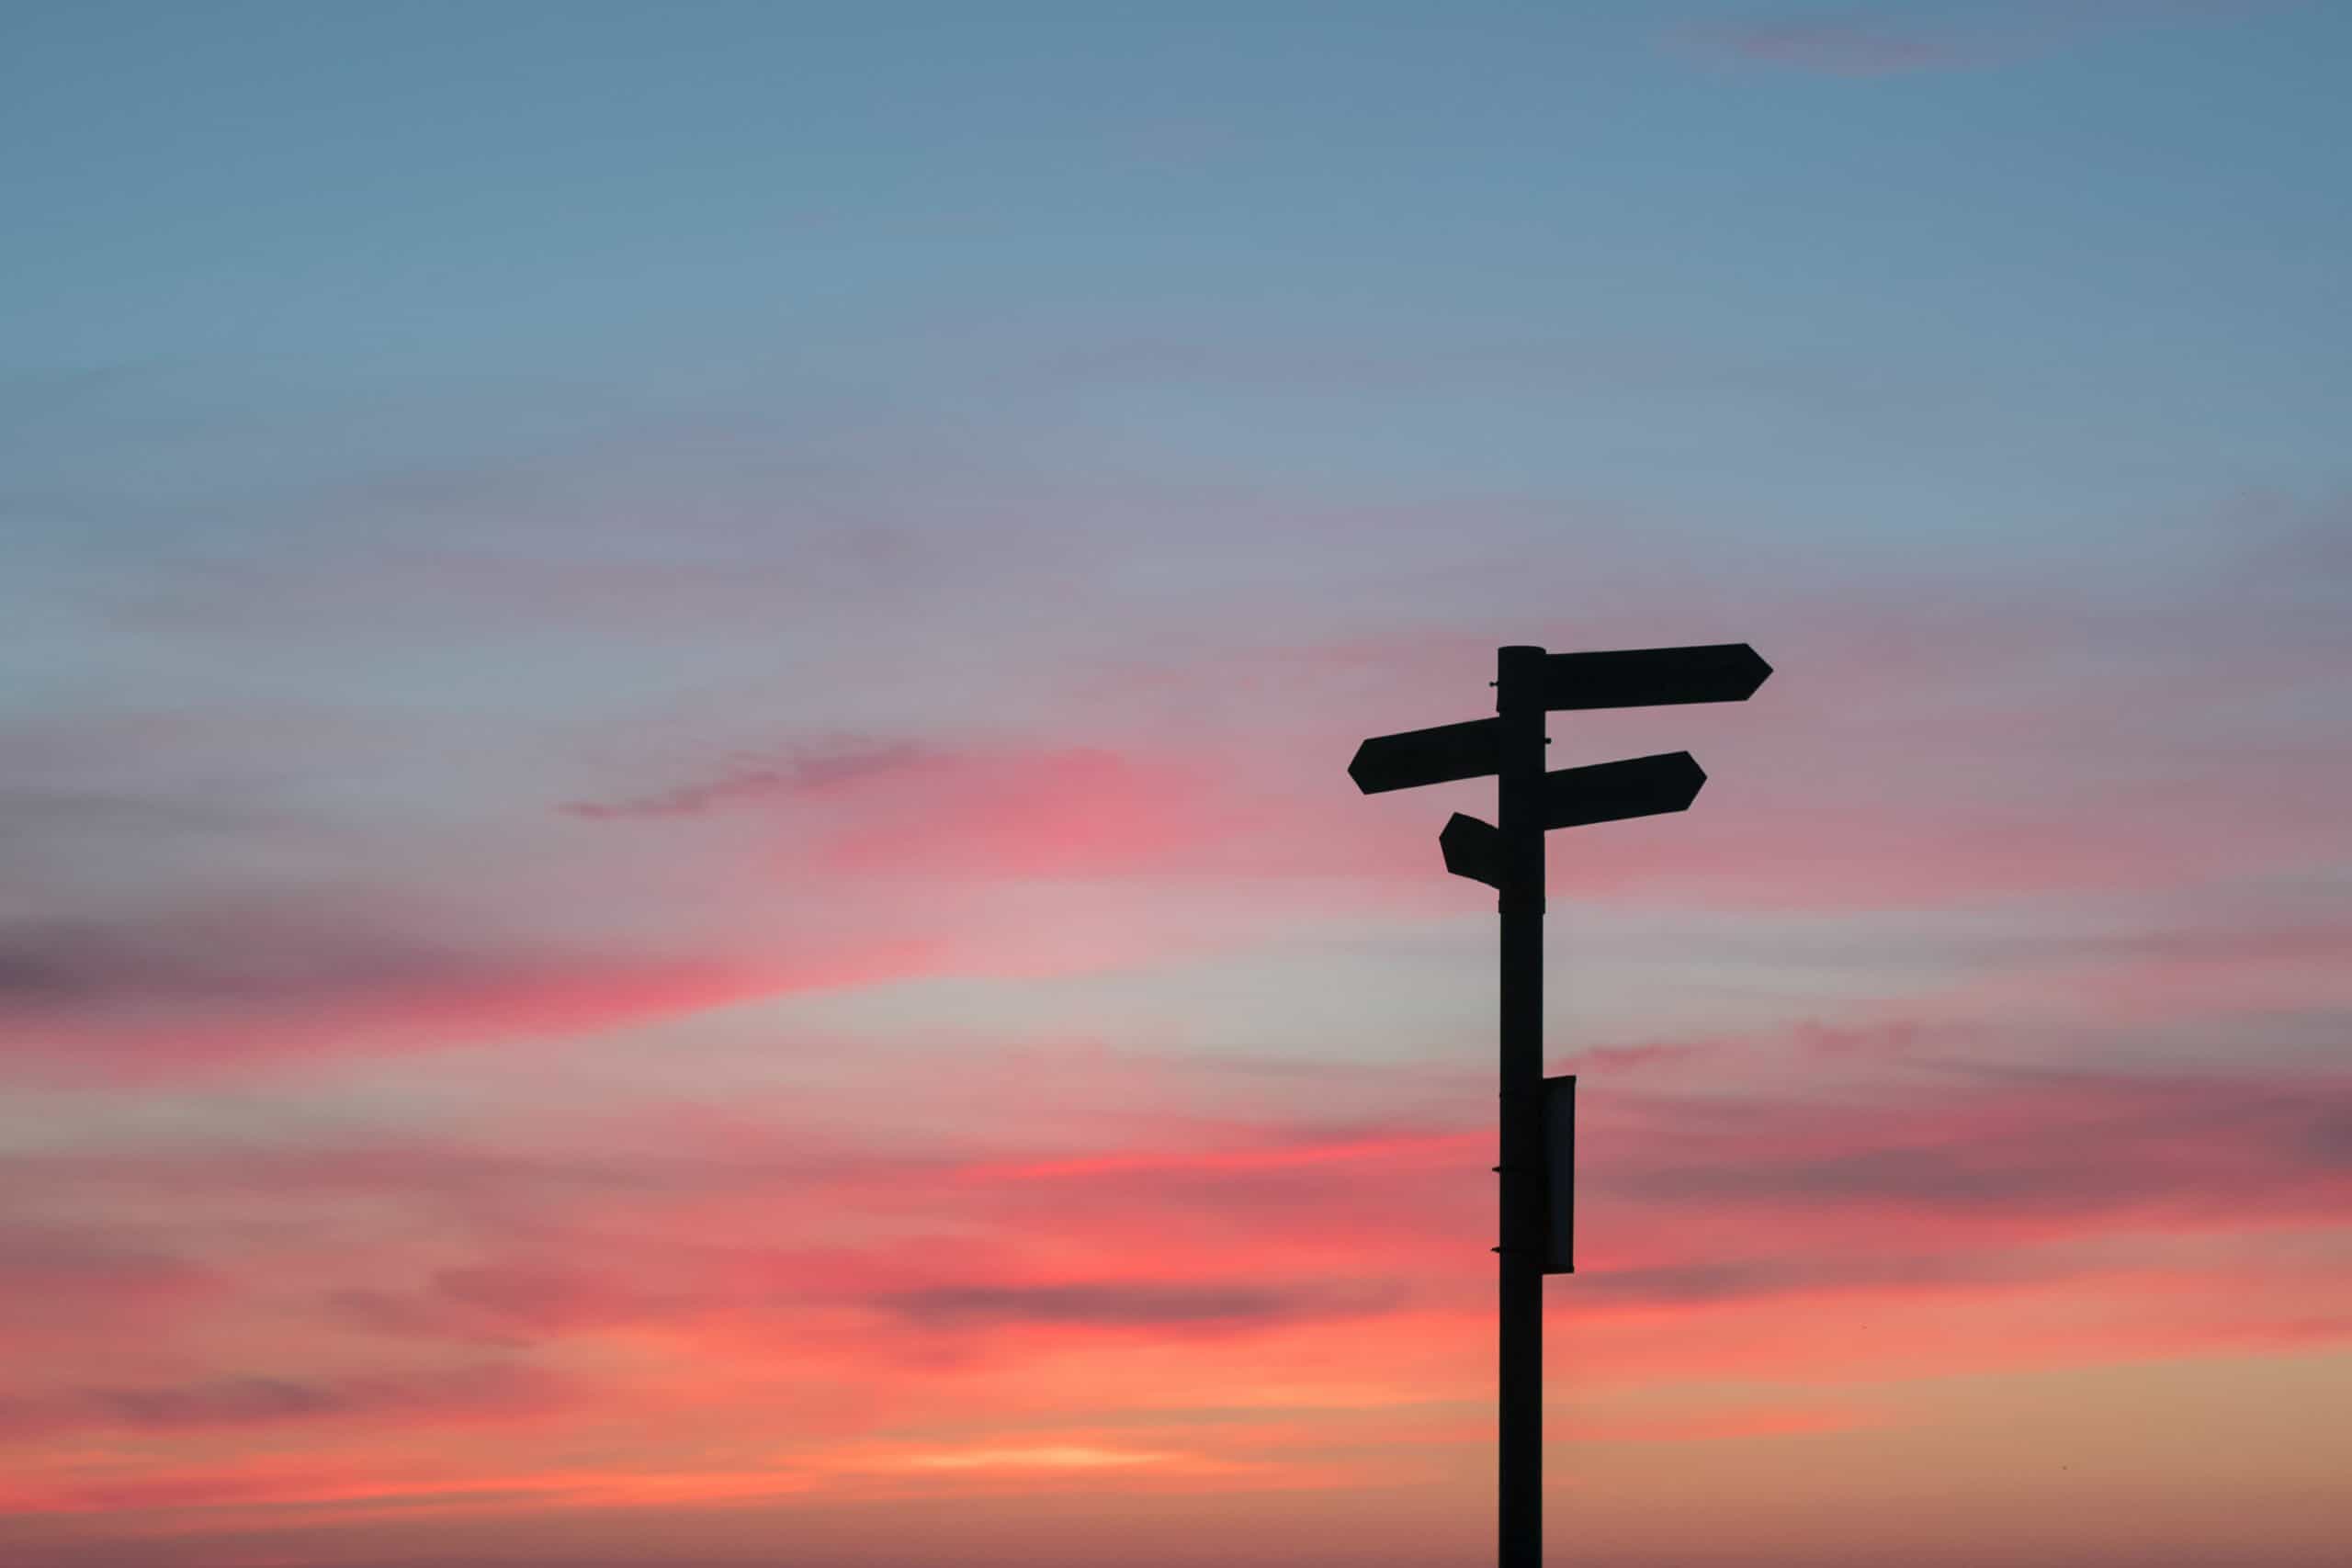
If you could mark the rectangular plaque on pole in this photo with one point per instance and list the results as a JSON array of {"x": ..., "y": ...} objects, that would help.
[{"x": 1560, "y": 1174}]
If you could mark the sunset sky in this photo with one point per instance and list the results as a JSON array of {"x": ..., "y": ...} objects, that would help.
[{"x": 677, "y": 888}]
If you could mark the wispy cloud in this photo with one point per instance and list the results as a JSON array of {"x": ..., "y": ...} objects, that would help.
[
  {"x": 747, "y": 780},
  {"x": 1178, "y": 1306},
  {"x": 163, "y": 991},
  {"x": 491, "y": 1391}
]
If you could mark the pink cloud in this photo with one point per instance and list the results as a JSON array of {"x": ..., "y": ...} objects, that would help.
[
  {"x": 2015, "y": 1154},
  {"x": 375, "y": 1400},
  {"x": 59, "y": 1285},
  {"x": 1042, "y": 1283},
  {"x": 1074, "y": 813},
  {"x": 209, "y": 987},
  {"x": 1916, "y": 1180}
]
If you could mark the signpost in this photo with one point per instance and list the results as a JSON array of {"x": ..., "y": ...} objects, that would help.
[{"x": 1538, "y": 1166}]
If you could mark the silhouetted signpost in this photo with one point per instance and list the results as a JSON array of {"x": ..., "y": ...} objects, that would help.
[{"x": 1538, "y": 1166}]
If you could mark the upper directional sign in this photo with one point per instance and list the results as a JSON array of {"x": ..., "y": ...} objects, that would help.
[
  {"x": 1650, "y": 677},
  {"x": 1610, "y": 792},
  {"x": 1427, "y": 756}
]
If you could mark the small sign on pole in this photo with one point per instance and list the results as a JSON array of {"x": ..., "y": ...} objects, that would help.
[
  {"x": 1472, "y": 849},
  {"x": 1560, "y": 1174}
]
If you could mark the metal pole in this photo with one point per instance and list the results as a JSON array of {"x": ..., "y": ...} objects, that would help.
[{"x": 1518, "y": 701}]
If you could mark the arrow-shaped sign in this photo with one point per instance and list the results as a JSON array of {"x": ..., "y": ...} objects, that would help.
[
  {"x": 1574, "y": 797},
  {"x": 1472, "y": 848},
  {"x": 1650, "y": 677},
  {"x": 1610, "y": 792},
  {"x": 1417, "y": 757}
]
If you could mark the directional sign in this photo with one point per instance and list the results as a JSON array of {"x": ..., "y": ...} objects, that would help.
[
  {"x": 1473, "y": 849},
  {"x": 1610, "y": 792},
  {"x": 1427, "y": 756},
  {"x": 1649, "y": 677}
]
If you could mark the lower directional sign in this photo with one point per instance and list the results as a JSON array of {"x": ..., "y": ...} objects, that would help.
[
  {"x": 1473, "y": 849},
  {"x": 1608, "y": 792}
]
